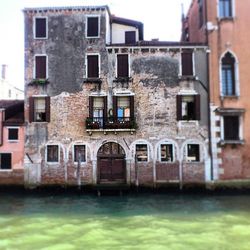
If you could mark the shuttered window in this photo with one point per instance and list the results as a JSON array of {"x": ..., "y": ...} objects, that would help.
[
  {"x": 40, "y": 27},
  {"x": 39, "y": 109},
  {"x": 5, "y": 161},
  {"x": 225, "y": 8},
  {"x": 40, "y": 67},
  {"x": 92, "y": 27},
  {"x": 187, "y": 63},
  {"x": 231, "y": 127},
  {"x": 188, "y": 107},
  {"x": 130, "y": 37},
  {"x": 122, "y": 65},
  {"x": 92, "y": 66},
  {"x": 52, "y": 153}
]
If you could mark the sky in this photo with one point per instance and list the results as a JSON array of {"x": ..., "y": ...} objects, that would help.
[{"x": 161, "y": 18}]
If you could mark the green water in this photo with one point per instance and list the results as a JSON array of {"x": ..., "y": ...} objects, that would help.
[{"x": 145, "y": 221}]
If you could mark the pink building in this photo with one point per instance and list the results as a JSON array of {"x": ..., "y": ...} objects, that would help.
[{"x": 11, "y": 142}]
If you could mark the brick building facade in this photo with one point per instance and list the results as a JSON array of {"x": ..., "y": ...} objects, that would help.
[{"x": 104, "y": 106}]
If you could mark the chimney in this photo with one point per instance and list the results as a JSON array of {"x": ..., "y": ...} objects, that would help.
[{"x": 4, "y": 71}]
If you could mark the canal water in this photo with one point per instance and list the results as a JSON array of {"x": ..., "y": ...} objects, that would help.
[{"x": 135, "y": 221}]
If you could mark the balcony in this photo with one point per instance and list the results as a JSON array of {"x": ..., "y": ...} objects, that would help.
[{"x": 110, "y": 124}]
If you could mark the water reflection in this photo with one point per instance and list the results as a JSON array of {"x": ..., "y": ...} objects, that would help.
[{"x": 130, "y": 222}]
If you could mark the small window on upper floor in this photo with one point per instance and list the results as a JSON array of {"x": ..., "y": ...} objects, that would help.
[
  {"x": 187, "y": 63},
  {"x": 40, "y": 28},
  {"x": 188, "y": 107},
  {"x": 193, "y": 152},
  {"x": 92, "y": 66},
  {"x": 141, "y": 152},
  {"x": 130, "y": 37},
  {"x": 52, "y": 153},
  {"x": 40, "y": 67},
  {"x": 122, "y": 65},
  {"x": 225, "y": 8},
  {"x": 13, "y": 134},
  {"x": 39, "y": 108},
  {"x": 92, "y": 26}
]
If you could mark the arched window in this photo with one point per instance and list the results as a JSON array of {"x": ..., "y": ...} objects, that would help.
[{"x": 228, "y": 75}]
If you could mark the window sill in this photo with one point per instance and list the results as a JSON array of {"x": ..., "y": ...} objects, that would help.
[
  {"x": 232, "y": 142},
  {"x": 226, "y": 18},
  {"x": 39, "y": 81},
  {"x": 106, "y": 131},
  {"x": 123, "y": 79},
  {"x": 187, "y": 77},
  {"x": 92, "y": 80},
  {"x": 13, "y": 141},
  {"x": 6, "y": 170},
  {"x": 230, "y": 96},
  {"x": 184, "y": 123}
]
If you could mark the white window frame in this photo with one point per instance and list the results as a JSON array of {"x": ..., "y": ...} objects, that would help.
[
  {"x": 7, "y": 170},
  {"x": 218, "y": 10},
  {"x": 46, "y": 154},
  {"x": 141, "y": 162},
  {"x": 10, "y": 140},
  {"x": 73, "y": 153},
  {"x": 34, "y": 28},
  {"x": 173, "y": 152},
  {"x": 86, "y": 30},
  {"x": 34, "y": 66},
  {"x": 99, "y": 63},
  {"x": 186, "y": 149},
  {"x": 116, "y": 64}
]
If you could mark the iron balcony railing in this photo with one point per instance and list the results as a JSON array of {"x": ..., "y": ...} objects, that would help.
[{"x": 110, "y": 123}]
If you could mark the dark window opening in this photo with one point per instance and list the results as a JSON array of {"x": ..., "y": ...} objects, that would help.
[
  {"x": 40, "y": 27},
  {"x": 228, "y": 75},
  {"x": 187, "y": 63},
  {"x": 5, "y": 161},
  {"x": 93, "y": 27},
  {"x": 52, "y": 153},
  {"x": 201, "y": 19},
  {"x": 193, "y": 152},
  {"x": 13, "y": 134},
  {"x": 93, "y": 66},
  {"x": 231, "y": 127},
  {"x": 142, "y": 152},
  {"x": 130, "y": 37},
  {"x": 40, "y": 67},
  {"x": 98, "y": 110},
  {"x": 79, "y": 153},
  {"x": 122, "y": 65},
  {"x": 188, "y": 107},
  {"x": 225, "y": 8},
  {"x": 167, "y": 153},
  {"x": 39, "y": 109}
]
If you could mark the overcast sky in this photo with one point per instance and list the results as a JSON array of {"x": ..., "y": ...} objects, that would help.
[{"x": 161, "y": 20}]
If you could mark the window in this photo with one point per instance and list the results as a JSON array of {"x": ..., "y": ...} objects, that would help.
[
  {"x": 79, "y": 153},
  {"x": 123, "y": 108},
  {"x": 228, "y": 75},
  {"x": 52, "y": 153},
  {"x": 93, "y": 26},
  {"x": 13, "y": 134},
  {"x": 167, "y": 153},
  {"x": 40, "y": 67},
  {"x": 92, "y": 66},
  {"x": 122, "y": 65},
  {"x": 188, "y": 107},
  {"x": 201, "y": 20},
  {"x": 142, "y": 152},
  {"x": 231, "y": 127},
  {"x": 225, "y": 8},
  {"x": 187, "y": 63},
  {"x": 98, "y": 109},
  {"x": 40, "y": 27},
  {"x": 193, "y": 152},
  {"x": 39, "y": 109},
  {"x": 5, "y": 161},
  {"x": 130, "y": 37}
]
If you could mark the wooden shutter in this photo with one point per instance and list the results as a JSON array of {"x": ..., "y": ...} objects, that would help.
[
  {"x": 31, "y": 109},
  {"x": 40, "y": 63},
  {"x": 115, "y": 107},
  {"x": 91, "y": 102},
  {"x": 92, "y": 27},
  {"x": 187, "y": 63},
  {"x": 130, "y": 37},
  {"x": 231, "y": 127},
  {"x": 197, "y": 107},
  {"x": 40, "y": 27},
  {"x": 132, "y": 112},
  {"x": 105, "y": 107},
  {"x": 47, "y": 108},
  {"x": 178, "y": 107},
  {"x": 93, "y": 67},
  {"x": 122, "y": 65}
]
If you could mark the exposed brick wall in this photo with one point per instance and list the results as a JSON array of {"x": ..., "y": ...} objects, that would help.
[
  {"x": 14, "y": 177},
  {"x": 193, "y": 172},
  {"x": 167, "y": 171}
]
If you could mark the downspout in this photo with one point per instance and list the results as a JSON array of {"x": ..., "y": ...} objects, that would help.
[{"x": 208, "y": 96}]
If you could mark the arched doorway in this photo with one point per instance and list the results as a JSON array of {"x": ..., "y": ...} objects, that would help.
[{"x": 111, "y": 163}]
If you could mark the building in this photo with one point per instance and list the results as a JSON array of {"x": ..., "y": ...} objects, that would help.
[
  {"x": 7, "y": 90},
  {"x": 221, "y": 24},
  {"x": 12, "y": 133},
  {"x": 104, "y": 106}
]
